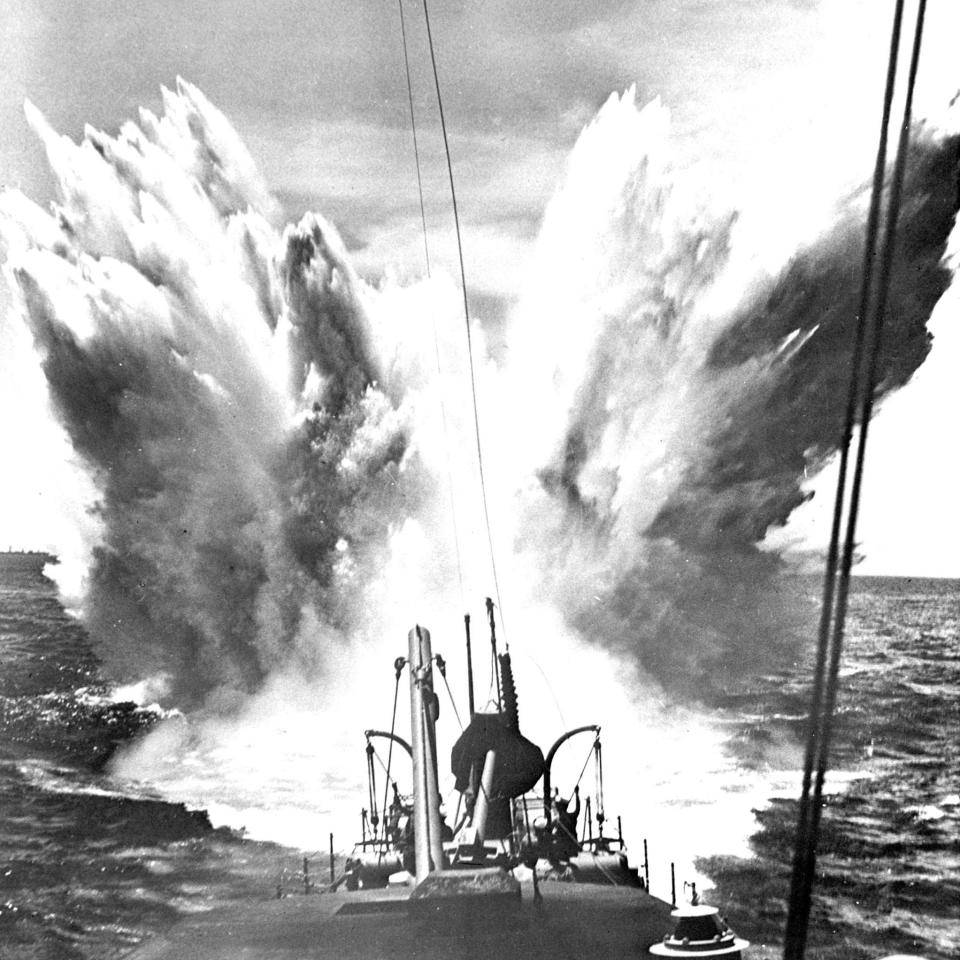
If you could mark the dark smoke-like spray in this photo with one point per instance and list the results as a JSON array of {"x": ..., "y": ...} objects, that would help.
[
  {"x": 688, "y": 430},
  {"x": 219, "y": 384}
]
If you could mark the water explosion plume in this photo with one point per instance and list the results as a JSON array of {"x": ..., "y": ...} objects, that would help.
[
  {"x": 219, "y": 385},
  {"x": 251, "y": 421},
  {"x": 683, "y": 429}
]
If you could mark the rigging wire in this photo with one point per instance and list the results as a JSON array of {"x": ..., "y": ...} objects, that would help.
[
  {"x": 453, "y": 703},
  {"x": 372, "y": 789},
  {"x": 823, "y": 633},
  {"x": 393, "y": 725},
  {"x": 598, "y": 770},
  {"x": 436, "y": 339},
  {"x": 413, "y": 128},
  {"x": 860, "y": 398},
  {"x": 466, "y": 316},
  {"x": 590, "y": 753}
]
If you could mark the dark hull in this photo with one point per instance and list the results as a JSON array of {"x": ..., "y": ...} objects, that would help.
[{"x": 573, "y": 921}]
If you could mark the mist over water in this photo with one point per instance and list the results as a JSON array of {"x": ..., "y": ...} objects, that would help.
[{"x": 273, "y": 477}]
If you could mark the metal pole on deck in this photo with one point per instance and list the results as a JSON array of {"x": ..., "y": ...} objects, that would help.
[
  {"x": 673, "y": 884},
  {"x": 433, "y": 789},
  {"x": 482, "y": 807},
  {"x": 493, "y": 646},
  {"x": 426, "y": 804},
  {"x": 333, "y": 872},
  {"x": 466, "y": 623},
  {"x": 646, "y": 864},
  {"x": 420, "y": 827},
  {"x": 306, "y": 875}
]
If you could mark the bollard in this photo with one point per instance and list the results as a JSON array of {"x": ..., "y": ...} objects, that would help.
[{"x": 333, "y": 873}]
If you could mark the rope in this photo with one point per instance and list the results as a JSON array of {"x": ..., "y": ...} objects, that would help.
[
  {"x": 550, "y": 690},
  {"x": 599, "y": 782},
  {"x": 386, "y": 785},
  {"x": 466, "y": 315},
  {"x": 383, "y": 767},
  {"x": 801, "y": 878},
  {"x": 825, "y": 684},
  {"x": 436, "y": 344},
  {"x": 413, "y": 127},
  {"x": 494, "y": 683},
  {"x": 605, "y": 873},
  {"x": 585, "y": 762},
  {"x": 372, "y": 790},
  {"x": 453, "y": 704}
]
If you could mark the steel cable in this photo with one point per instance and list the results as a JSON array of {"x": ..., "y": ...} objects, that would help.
[{"x": 860, "y": 400}]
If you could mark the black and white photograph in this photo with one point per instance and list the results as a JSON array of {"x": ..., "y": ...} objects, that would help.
[{"x": 479, "y": 480}]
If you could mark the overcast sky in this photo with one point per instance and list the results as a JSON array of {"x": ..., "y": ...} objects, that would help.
[{"x": 776, "y": 99}]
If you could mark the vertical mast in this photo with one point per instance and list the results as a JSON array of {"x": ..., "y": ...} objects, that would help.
[
  {"x": 426, "y": 798},
  {"x": 466, "y": 623}
]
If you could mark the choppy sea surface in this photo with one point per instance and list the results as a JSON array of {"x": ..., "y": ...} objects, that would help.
[
  {"x": 88, "y": 870},
  {"x": 889, "y": 860}
]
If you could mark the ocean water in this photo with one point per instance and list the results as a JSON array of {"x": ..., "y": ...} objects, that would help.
[
  {"x": 89, "y": 869},
  {"x": 889, "y": 859}
]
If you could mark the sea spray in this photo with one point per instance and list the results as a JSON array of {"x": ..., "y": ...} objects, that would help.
[
  {"x": 216, "y": 381},
  {"x": 261, "y": 429},
  {"x": 683, "y": 423}
]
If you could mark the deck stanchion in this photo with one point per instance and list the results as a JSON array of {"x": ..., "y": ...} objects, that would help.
[
  {"x": 306, "y": 875},
  {"x": 333, "y": 873},
  {"x": 673, "y": 884},
  {"x": 646, "y": 865}
]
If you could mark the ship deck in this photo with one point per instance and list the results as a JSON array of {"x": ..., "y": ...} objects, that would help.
[{"x": 572, "y": 921}]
